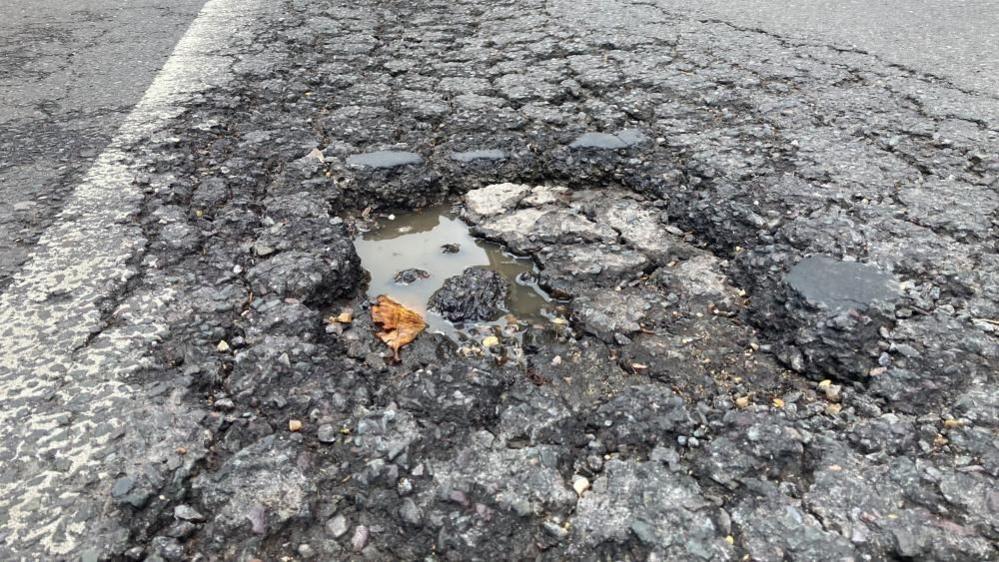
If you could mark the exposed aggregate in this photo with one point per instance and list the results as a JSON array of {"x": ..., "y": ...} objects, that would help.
[{"x": 780, "y": 258}]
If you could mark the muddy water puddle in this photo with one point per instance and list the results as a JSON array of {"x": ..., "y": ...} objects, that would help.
[{"x": 436, "y": 241}]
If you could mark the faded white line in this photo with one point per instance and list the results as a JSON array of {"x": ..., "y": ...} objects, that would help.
[{"x": 67, "y": 419}]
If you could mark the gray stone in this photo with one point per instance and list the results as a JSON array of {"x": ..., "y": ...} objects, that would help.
[
  {"x": 326, "y": 433},
  {"x": 493, "y": 200},
  {"x": 187, "y": 513},
  {"x": 410, "y": 513}
]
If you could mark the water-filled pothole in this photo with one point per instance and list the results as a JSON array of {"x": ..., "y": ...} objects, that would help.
[{"x": 436, "y": 241}]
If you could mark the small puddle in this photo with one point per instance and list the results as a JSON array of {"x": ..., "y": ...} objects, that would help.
[{"x": 417, "y": 240}]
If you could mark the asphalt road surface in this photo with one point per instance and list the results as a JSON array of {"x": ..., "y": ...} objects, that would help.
[
  {"x": 767, "y": 237},
  {"x": 69, "y": 73},
  {"x": 956, "y": 40}
]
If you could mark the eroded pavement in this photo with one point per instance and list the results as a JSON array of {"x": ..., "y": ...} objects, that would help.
[{"x": 780, "y": 337}]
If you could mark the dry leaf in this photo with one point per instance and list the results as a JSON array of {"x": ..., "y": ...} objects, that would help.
[{"x": 399, "y": 324}]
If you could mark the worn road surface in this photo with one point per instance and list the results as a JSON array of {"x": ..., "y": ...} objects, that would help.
[{"x": 768, "y": 236}]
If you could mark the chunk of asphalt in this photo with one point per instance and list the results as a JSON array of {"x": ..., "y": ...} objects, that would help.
[
  {"x": 835, "y": 312},
  {"x": 472, "y": 155},
  {"x": 840, "y": 285},
  {"x": 384, "y": 159}
]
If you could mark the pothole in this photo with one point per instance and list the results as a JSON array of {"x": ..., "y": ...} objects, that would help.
[{"x": 410, "y": 254}]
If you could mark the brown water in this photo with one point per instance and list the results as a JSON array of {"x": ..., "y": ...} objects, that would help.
[{"x": 416, "y": 240}]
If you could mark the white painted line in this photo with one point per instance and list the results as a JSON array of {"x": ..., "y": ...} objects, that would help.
[{"x": 67, "y": 417}]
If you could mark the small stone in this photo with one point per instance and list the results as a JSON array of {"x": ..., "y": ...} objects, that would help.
[
  {"x": 360, "y": 538},
  {"x": 410, "y": 513},
  {"x": 595, "y": 462},
  {"x": 953, "y": 424},
  {"x": 490, "y": 341},
  {"x": 224, "y": 404},
  {"x": 742, "y": 402},
  {"x": 730, "y": 539},
  {"x": 337, "y": 526},
  {"x": 833, "y": 409},
  {"x": 306, "y": 551},
  {"x": 257, "y": 517},
  {"x": 122, "y": 486},
  {"x": 326, "y": 433},
  {"x": 450, "y": 248},
  {"x": 832, "y": 392},
  {"x": 555, "y": 530},
  {"x": 223, "y": 346},
  {"x": 580, "y": 484},
  {"x": 345, "y": 317},
  {"x": 187, "y": 513},
  {"x": 262, "y": 250},
  {"x": 410, "y": 276},
  {"x": 294, "y": 425},
  {"x": 778, "y": 403}
]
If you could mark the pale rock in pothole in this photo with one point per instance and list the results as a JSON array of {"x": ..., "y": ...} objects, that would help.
[
  {"x": 639, "y": 226},
  {"x": 605, "y": 313},
  {"x": 570, "y": 269},
  {"x": 528, "y": 230},
  {"x": 493, "y": 200},
  {"x": 545, "y": 195}
]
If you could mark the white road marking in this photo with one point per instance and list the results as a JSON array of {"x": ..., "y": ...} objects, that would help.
[{"x": 65, "y": 409}]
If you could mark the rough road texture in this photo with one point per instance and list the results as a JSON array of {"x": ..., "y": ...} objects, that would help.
[{"x": 705, "y": 401}]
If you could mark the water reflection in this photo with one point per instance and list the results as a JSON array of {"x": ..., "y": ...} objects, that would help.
[{"x": 417, "y": 239}]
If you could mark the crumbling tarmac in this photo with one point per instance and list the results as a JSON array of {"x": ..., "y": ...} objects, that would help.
[{"x": 778, "y": 260}]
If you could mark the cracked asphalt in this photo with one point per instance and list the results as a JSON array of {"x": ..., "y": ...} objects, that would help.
[{"x": 776, "y": 253}]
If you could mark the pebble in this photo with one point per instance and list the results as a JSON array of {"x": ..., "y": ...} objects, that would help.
[
  {"x": 410, "y": 513},
  {"x": 360, "y": 538},
  {"x": 404, "y": 487},
  {"x": 595, "y": 462},
  {"x": 122, "y": 486},
  {"x": 326, "y": 433},
  {"x": 187, "y": 513},
  {"x": 294, "y": 425},
  {"x": 306, "y": 551},
  {"x": 580, "y": 484},
  {"x": 337, "y": 526},
  {"x": 555, "y": 530}
]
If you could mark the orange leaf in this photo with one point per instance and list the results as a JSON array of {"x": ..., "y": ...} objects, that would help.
[{"x": 399, "y": 324}]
